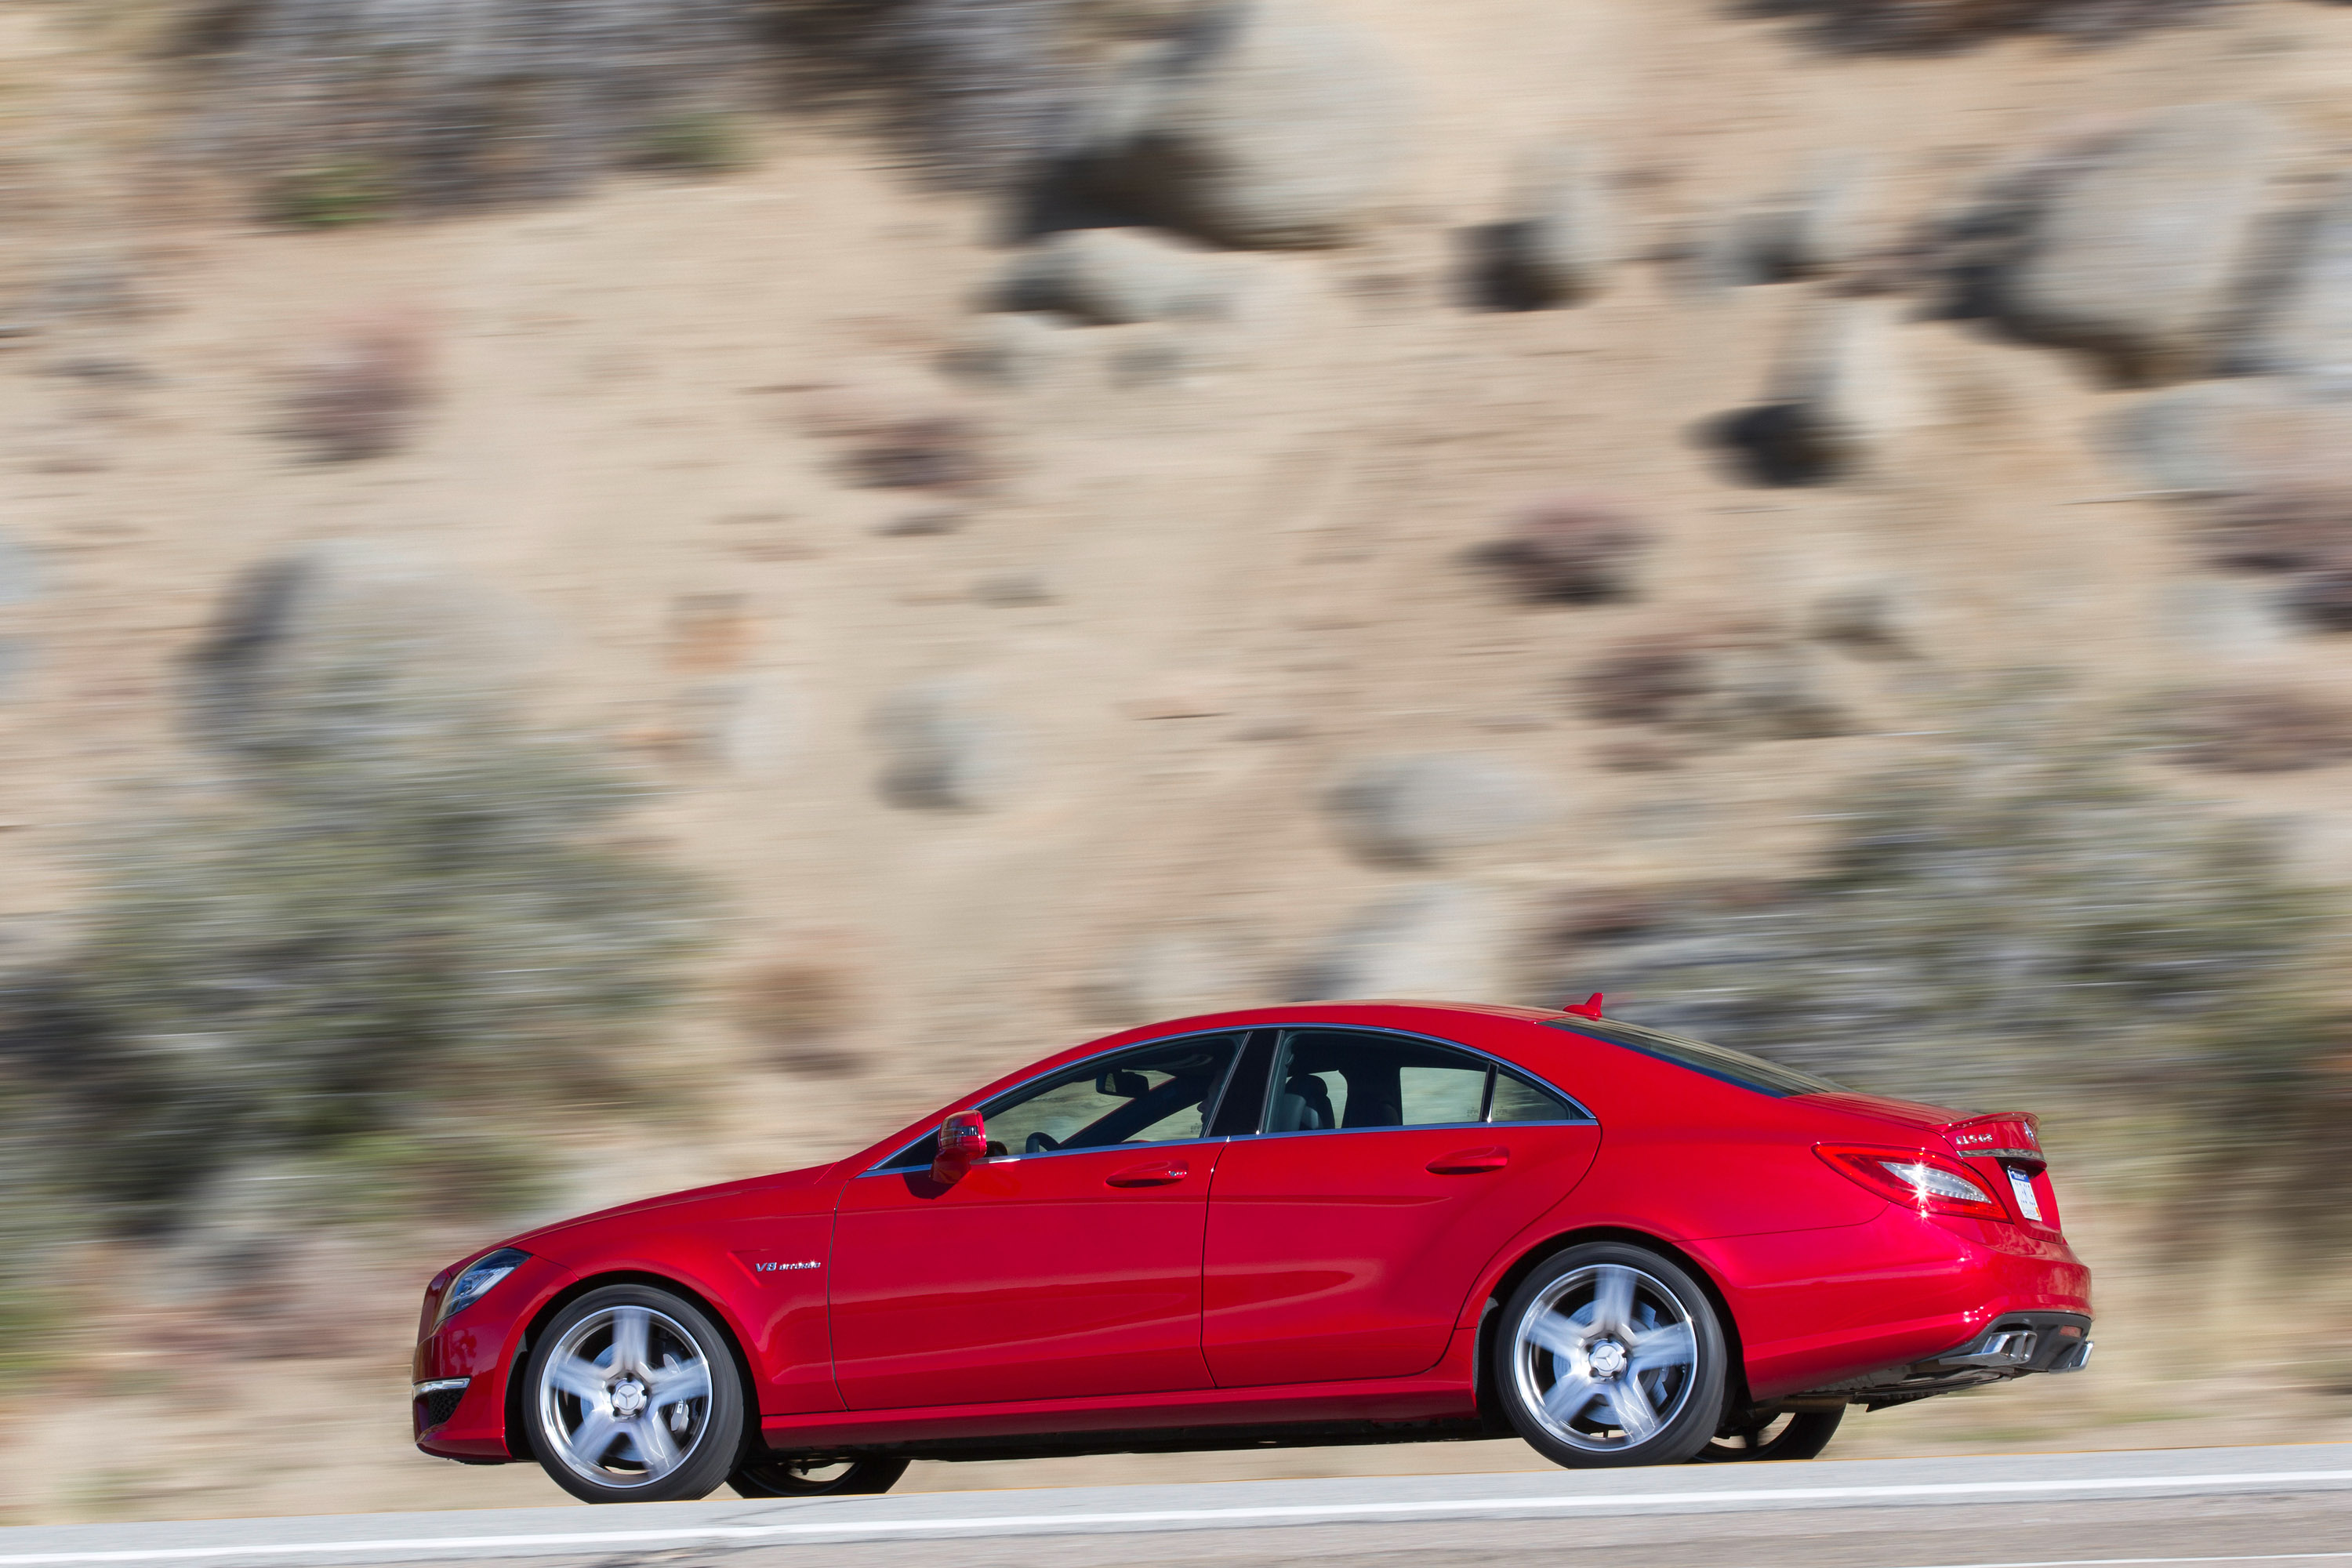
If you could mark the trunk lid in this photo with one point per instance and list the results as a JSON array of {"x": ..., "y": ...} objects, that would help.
[{"x": 2003, "y": 1148}]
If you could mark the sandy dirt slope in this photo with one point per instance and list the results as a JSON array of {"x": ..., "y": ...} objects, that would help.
[{"x": 1190, "y": 592}]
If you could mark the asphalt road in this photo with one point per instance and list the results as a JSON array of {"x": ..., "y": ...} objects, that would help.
[{"x": 2216, "y": 1507}]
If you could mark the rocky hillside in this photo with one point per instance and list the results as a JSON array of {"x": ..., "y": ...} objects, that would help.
[{"x": 1391, "y": 489}]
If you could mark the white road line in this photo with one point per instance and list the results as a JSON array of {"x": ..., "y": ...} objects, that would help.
[
  {"x": 2144, "y": 1561},
  {"x": 1011, "y": 1523}
]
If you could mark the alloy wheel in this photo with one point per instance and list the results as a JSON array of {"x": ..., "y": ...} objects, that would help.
[
  {"x": 1606, "y": 1358},
  {"x": 624, "y": 1397}
]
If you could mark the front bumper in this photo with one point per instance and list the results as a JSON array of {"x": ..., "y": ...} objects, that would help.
[{"x": 458, "y": 1388}]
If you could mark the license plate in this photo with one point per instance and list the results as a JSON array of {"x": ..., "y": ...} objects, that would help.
[{"x": 2022, "y": 1185}]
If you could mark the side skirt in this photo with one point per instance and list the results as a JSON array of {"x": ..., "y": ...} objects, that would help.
[{"x": 1426, "y": 1407}]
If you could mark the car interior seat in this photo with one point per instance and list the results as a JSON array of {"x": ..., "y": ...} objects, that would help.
[{"x": 1303, "y": 1106}]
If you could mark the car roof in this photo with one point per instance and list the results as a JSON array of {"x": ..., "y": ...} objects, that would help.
[{"x": 1376, "y": 1014}]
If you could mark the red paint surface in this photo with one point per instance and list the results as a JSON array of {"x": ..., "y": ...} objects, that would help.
[
  {"x": 1312, "y": 1277},
  {"x": 1032, "y": 1278}
]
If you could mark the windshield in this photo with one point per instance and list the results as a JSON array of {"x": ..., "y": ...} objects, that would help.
[{"x": 1715, "y": 1061}]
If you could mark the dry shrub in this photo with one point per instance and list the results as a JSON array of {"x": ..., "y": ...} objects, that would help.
[
  {"x": 359, "y": 394},
  {"x": 899, "y": 432},
  {"x": 2258, "y": 731},
  {"x": 1731, "y": 684},
  {"x": 396, "y": 918},
  {"x": 2012, "y": 913},
  {"x": 799, "y": 1007},
  {"x": 2322, "y": 599},
  {"x": 1645, "y": 682},
  {"x": 984, "y": 88},
  {"x": 921, "y": 452},
  {"x": 345, "y": 110},
  {"x": 2281, "y": 528},
  {"x": 1920, "y": 25},
  {"x": 1568, "y": 549}
]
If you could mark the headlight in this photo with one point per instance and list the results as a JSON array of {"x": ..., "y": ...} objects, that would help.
[{"x": 477, "y": 1280}]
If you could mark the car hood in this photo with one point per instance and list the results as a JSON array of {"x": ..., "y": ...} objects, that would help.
[{"x": 782, "y": 1180}]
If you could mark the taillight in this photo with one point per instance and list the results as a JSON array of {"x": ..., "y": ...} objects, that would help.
[{"x": 1929, "y": 1183}]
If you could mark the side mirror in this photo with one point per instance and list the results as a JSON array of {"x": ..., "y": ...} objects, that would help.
[{"x": 963, "y": 1139}]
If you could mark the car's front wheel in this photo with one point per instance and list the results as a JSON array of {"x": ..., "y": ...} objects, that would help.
[
  {"x": 786, "y": 1475},
  {"x": 633, "y": 1397},
  {"x": 1610, "y": 1354}
]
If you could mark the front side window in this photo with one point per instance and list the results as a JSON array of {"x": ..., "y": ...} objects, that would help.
[{"x": 1157, "y": 1094}]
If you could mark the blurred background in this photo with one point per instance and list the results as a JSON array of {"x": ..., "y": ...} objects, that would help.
[{"x": 597, "y": 596}]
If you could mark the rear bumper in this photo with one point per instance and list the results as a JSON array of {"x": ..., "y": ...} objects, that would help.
[
  {"x": 2017, "y": 1345},
  {"x": 1857, "y": 1307}
]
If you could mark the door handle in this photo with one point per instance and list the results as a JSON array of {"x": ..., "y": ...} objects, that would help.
[
  {"x": 1158, "y": 1173},
  {"x": 1471, "y": 1162}
]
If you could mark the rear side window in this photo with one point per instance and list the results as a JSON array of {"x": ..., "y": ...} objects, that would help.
[
  {"x": 1719, "y": 1062},
  {"x": 1516, "y": 1099},
  {"x": 1343, "y": 1079}
]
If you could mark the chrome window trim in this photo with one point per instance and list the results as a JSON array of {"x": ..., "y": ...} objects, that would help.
[{"x": 882, "y": 1166}]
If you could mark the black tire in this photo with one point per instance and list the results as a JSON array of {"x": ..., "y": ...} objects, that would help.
[
  {"x": 607, "y": 1462},
  {"x": 780, "y": 1475},
  {"x": 1801, "y": 1435},
  {"x": 1610, "y": 1354}
]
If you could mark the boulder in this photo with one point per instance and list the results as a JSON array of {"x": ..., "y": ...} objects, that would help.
[
  {"x": 1430, "y": 809},
  {"x": 941, "y": 750},
  {"x": 1266, "y": 123},
  {"x": 2306, "y": 328},
  {"x": 1818, "y": 229},
  {"x": 2133, "y": 255},
  {"x": 1442, "y": 941},
  {"x": 1014, "y": 349},
  {"x": 348, "y": 639},
  {"x": 2208, "y": 438},
  {"x": 1114, "y": 278},
  {"x": 1842, "y": 395},
  {"x": 1566, "y": 239}
]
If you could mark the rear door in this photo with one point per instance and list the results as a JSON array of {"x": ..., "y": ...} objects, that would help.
[{"x": 1343, "y": 1239}]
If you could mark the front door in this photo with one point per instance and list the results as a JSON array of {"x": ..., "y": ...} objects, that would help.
[
  {"x": 1068, "y": 1264},
  {"x": 1344, "y": 1239}
]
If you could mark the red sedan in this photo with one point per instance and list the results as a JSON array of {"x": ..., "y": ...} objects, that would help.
[{"x": 1364, "y": 1222}]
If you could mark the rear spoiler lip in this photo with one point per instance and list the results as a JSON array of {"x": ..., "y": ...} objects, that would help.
[{"x": 2029, "y": 1153}]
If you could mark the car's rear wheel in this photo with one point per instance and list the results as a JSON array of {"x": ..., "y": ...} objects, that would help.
[
  {"x": 1610, "y": 1354},
  {"x": 1799, "y": 1434},
  {"x": 633, "y": 1397},
  {"x": 787, "y": 1475}
]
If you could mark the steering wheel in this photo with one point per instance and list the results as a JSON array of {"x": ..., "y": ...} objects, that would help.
[{"x": 1039, "y": 1145}]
